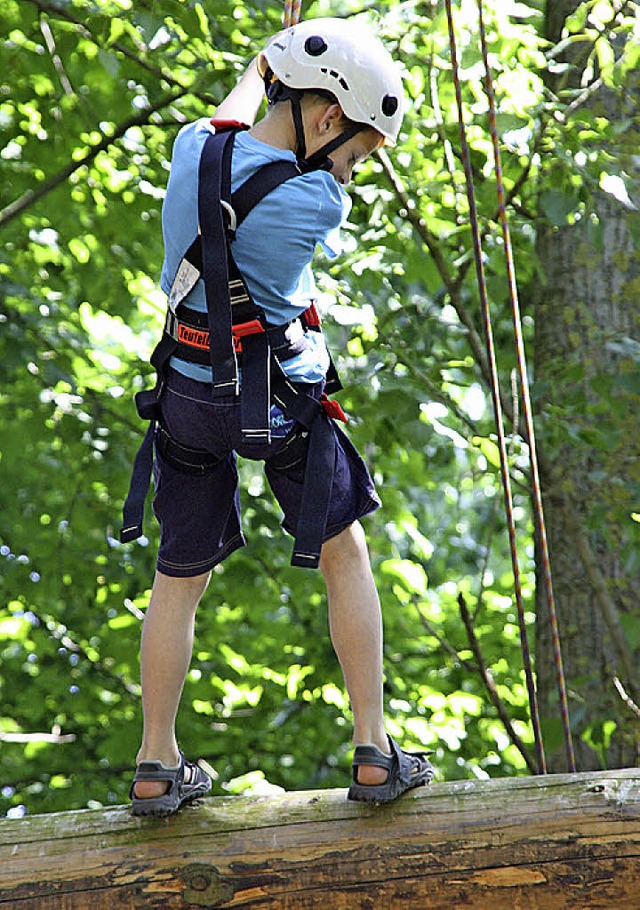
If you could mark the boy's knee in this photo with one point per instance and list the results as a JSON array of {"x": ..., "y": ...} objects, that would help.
[
  {"x": 346, "y": 548},
  {"x": 190, "y": 588}
]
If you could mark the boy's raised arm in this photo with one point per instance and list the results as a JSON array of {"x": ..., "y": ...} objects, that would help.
[{"x": 243, "y": 102}]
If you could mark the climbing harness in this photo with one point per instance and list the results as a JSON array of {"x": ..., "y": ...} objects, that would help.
[
  {"x": 495, "y": 394},
  {"x": 234, "y": 335}
]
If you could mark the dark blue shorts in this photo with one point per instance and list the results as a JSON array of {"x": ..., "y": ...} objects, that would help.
[{"x": 199, "y": 514}]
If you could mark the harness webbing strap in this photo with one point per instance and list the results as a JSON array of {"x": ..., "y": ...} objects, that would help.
[
  {"x": 133, "y": 509},
  {"x": 316, "y": 494},
  {"x": 182, "y": 457},
  {"x": 255, "y": 407},
  {"x": 214, "y": 184},
  {"x": 319, "y": 469},
  {"x": 260, "y": 185},
  {"x": 320, "y": 159},
  {"x": 189, "y": 329}
]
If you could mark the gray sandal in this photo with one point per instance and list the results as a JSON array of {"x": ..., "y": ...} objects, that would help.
[
  {"x": 178, "y": 792},
  {"x": 405, "y": 770}
]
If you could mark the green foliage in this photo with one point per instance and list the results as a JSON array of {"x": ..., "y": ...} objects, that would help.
[{"x": 91, "y": 99}]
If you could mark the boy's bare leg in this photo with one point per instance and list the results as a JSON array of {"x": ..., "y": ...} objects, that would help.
[
  {"x": 165, "y": 654},
  {"x": 356, "y": 632},
  {"x": 355, "y": 623}
]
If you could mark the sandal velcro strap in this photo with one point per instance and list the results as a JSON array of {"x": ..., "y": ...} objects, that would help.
[
  {"x": 179, "y": 791},
  {"x": 405, "y": 770}
]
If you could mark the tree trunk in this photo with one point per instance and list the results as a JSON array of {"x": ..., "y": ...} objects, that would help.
[
  {"x": 586, "y": 314},
  {"x": 562, "y": 842}
]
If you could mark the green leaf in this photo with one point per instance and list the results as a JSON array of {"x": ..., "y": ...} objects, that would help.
[{"x": 558, "y": 205}]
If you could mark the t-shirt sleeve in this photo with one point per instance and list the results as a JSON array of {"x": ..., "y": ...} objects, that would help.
[{"x": 334, "y": 211}]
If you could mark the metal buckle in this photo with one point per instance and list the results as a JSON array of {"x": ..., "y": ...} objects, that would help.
[{"x": 233, "y": 220}]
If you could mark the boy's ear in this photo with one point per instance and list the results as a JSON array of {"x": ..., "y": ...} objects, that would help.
[{"x": 332, "y": 116}]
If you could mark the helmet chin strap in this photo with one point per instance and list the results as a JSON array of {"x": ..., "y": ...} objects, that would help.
[
  {"x": 319, "y": 160},
  {"x": 296, "y": 114}
]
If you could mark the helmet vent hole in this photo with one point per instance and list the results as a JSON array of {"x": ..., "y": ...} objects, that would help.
[
  {"x": 336, "y": 75},
  {"x": 315, "y": 45},
  {"x": 389, "y": 105}
]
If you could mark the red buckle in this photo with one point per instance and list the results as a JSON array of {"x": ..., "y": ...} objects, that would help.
[
  {"x": 195, "y": 338},
  {"x": 312, "y": 316},
  {"x": 333, "y": 408},
  {"x": 253, "y": 327}
]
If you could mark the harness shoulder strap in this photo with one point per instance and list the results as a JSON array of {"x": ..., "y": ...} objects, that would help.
[
  {"x": 264, "y": 181},
  {"x": 214, "y": 189},
  {"x": 246, "y": 197}
]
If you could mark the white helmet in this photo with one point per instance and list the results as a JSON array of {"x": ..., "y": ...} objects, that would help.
[{"x": 344, "y": 58}]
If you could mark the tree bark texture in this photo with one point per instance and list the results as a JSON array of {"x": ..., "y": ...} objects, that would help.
[
  {"x": 586, "y": 316},
  {"x": 559, "y": 842}
]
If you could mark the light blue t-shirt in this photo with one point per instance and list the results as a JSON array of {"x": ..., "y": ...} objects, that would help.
[{"x": 274, "y": 245}]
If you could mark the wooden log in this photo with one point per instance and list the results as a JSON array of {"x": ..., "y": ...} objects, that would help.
[{"x": 560, "y": 842}]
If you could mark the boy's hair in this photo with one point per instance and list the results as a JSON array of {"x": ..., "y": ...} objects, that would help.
[{"x": 319, "y": 96}]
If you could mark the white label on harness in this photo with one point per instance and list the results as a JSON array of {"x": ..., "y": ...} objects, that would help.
[{"x": 184, "y": 282}]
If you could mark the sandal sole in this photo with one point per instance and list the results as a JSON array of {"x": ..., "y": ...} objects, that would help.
[
  {"x": 140, "y": 808},
  {"x": 363, "y": 793}
]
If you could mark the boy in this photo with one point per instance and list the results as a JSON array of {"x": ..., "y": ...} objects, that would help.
[{"x": 334, "y": 97}]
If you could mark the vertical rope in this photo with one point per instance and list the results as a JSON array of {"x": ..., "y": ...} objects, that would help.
[
  {"x": 526, "y": 399},
  {"x": 495, "y": 395},
  {"x": 291, "y": 12}
]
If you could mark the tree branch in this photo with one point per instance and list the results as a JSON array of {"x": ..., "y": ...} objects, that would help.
[
  {"x": 52, "y": 738},
  {"x": 416, "y": 220},
  {"x": 481, "y": 669},
  {"x": 27, "y": 199},
  {"x": 430, "y": 628},
  {"x": 399, "y": 349},
  {"x": 629, "y": 702},
  {"x": 491, "y": 686},
  {"x": 452, "y": 284},
  {"x": 55, "y": 57},
  {"x": 159, "y": 72}
]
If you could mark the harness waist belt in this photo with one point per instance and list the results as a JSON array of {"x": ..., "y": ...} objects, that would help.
[
  {"x": 192, "y": 334},
  {"x": 199, "y": 338}
]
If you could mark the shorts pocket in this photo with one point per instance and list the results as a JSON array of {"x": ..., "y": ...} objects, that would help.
[{"x": 291, "y": 457}]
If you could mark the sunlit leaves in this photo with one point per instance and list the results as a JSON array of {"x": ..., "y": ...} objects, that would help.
[{"x": 91, "y": 99}]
